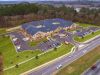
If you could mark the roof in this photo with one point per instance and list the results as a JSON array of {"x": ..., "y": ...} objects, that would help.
[{"x": 45, "y": 25}]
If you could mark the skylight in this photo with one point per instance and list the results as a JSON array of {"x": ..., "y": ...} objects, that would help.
[
  {"x": 39, "y": 26},
  {"x": 55, "y": 23}
]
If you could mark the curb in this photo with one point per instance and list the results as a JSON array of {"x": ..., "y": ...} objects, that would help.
[{"x": 27, "y": 72}]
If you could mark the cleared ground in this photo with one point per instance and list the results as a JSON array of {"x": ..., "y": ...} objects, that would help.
[
  {"x": 11, "y": 57},
  {"x": 80, "y": 65}
]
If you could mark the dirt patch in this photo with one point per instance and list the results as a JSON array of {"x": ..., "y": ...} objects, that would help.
[{"x": 70, "y": 69}]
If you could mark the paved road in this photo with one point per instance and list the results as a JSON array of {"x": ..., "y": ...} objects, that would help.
[
  {"x": 96, "y": 71},
  {"x": 49, "y": 69}
]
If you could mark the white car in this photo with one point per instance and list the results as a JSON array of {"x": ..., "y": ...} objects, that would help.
[
  {"x": 18, "y": 47},
  {"x": 59, "y": 66},
  {"x": 14, "y": 39},
  {"x": 25, "y": 39}
]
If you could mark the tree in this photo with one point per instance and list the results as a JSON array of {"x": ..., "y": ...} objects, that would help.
[
  {"x": 55, "y": 49},
  {"x": 17, "y": 56},
  {"x": 82, "y": 37},
  {"x": 16, "y": 65},
  {"x": 92, "y": 32},
  {"x": 1, "y": 64},
  {"x": 37, "y": 57},
  {"x": 29, "y": 12},
  {"x": 26, "y": 56}
]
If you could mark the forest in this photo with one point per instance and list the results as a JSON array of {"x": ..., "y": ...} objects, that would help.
[{"x": 14, "y": 15}]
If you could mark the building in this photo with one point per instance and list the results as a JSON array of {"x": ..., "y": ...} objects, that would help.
[{"x": 39, "y": 29}]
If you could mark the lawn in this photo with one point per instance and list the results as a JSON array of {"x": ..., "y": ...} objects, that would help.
[
  {"x": 34, "y": 43},
  {"x": 80, "y": 65},
  {"x": 87, "y": 37},
  {"x": 10, "y": 55},
  {"x": 85, "y": 25},
  {"x": 2, "y": 30},
  {"x": 63, "y": 49}
]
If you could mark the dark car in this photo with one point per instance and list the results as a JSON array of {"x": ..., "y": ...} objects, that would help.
[{"x": 93, "y": 67}]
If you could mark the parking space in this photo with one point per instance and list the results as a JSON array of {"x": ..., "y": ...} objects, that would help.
[
  {"x": 21, "y": 43},
  {"x": 64, "y": 37},
  {"x": 86, "y": 31},
  {"x": 48, "y": 45}
]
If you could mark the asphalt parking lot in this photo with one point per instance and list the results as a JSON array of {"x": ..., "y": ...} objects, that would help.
[
  {"x": 21, "y": 45},
  {"x": 86, "y": 31}
]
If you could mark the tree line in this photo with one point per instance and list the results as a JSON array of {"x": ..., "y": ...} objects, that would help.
[{"x": 21, "y": 13}]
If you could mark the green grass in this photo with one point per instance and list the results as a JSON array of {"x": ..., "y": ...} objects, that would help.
[
  {"x": 43, "y": 59},
  {"x": 34, "y": 43},
  {"x": 87, "y": 37},
  {"x": 80, "y": 65},
  {"x": 10, "y": 55},
  {"x": 85, "y": 25},
  {"x": 2, "y": 30}
]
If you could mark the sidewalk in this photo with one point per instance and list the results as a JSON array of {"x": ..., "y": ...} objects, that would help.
[
  {"x": 41, "y": 66},
  {"x": 91, "y": 39}
]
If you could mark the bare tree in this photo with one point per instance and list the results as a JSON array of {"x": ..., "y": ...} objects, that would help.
[{"x": 1, "y": 64}]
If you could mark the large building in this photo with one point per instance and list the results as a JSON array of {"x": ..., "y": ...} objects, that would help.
[{"x": 42, "y": 28}]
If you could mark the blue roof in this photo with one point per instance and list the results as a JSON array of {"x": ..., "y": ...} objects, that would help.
[{"x": 45, "y": 25}]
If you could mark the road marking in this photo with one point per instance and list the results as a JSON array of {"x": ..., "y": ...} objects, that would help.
[
  {"x": 84, "y": 51},
  {"x": 80, "y": 46},
  {"x": 25, "y": 73},
  {"x": 34, "y": 57},
  {"x": 42, "y": 65}
]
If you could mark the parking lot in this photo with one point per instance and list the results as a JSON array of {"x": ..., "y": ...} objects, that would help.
[
  {"x": 21, "y": 43},
  {"x": 83, "y": 32}
]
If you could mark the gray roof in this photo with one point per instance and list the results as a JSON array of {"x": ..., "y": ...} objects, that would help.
[{"x": 45, "y": 25}]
